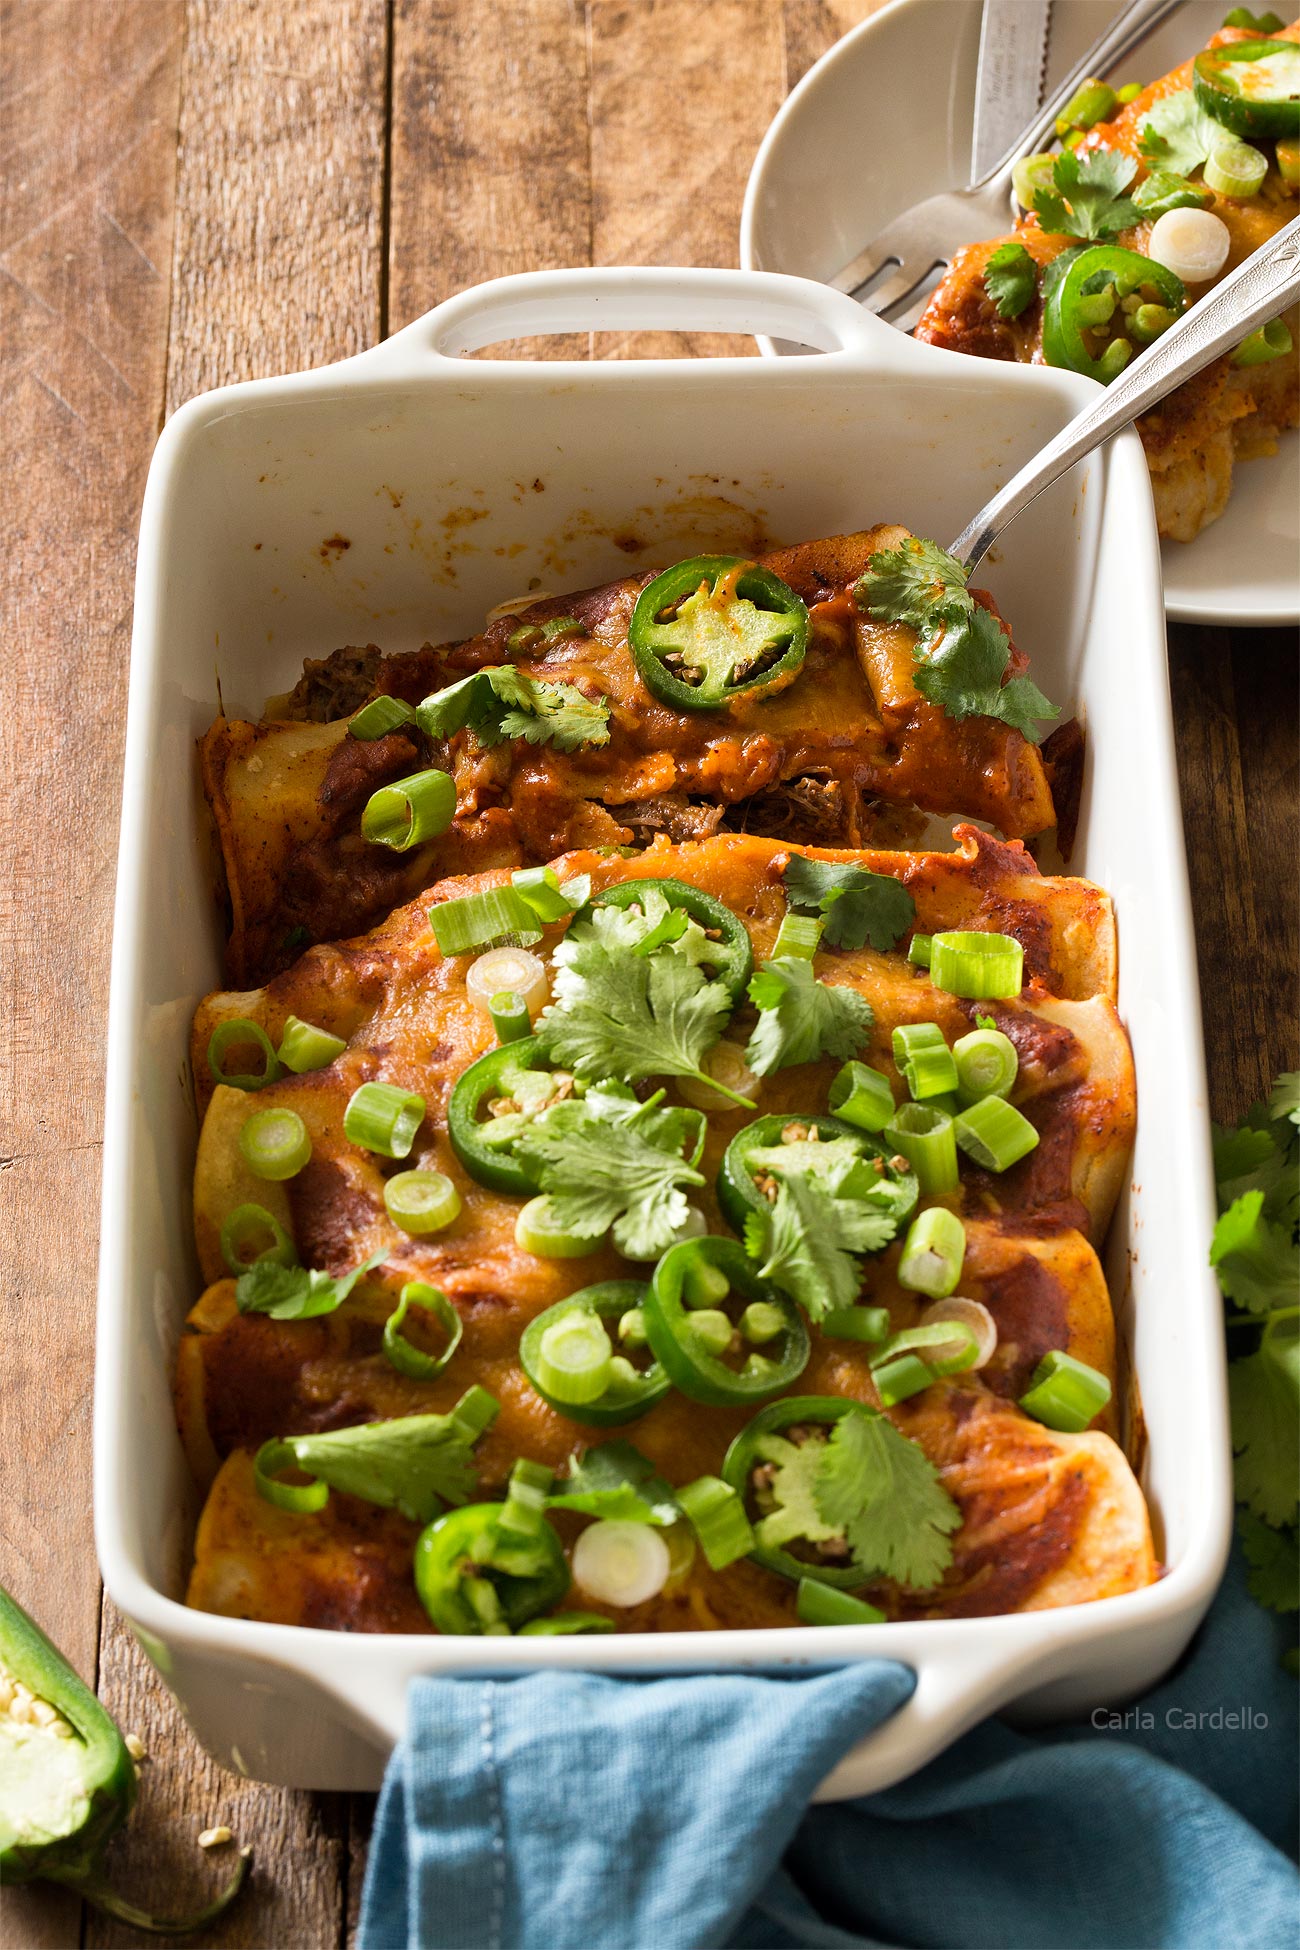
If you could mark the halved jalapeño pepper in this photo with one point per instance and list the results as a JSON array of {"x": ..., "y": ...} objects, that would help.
[
  {"x": 734, "y": 958},
  {"x": 710, "y": 1356},
  {"x": 714, "y": 628},
  {"x": 474, "y": 1576},
  {"x": 853, "y": 1164},
  {"x": 1252, "y": 87},
  {"x": 512, "y": 1083},
  {"x": 753, "y": 1465},
  {"x": 67, "y": 1782},
  {"x": 1102, "y": 303},
  {"x": 626, "y": 1391}
]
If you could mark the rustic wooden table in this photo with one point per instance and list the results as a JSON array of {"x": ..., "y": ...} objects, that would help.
[{"x": 198, "y": 191}]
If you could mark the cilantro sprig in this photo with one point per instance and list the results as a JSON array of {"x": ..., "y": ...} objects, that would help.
[
  {"x": 616, "y": 1480},
  {"x": 294, "y": 1292},
  {"x": 1011, "y": 280},
  {"x": 807, "y": 1240},
  {"x": 962, "y": 650},
  {"x": 1086, "y": 197},
  {"x": 1256, "y": 1255},
  {"x": 626, "y": 1173},
  {"x": 859, "y": 905},
  {"x": 415, "y": 1464},
  {"x": 1177, "y": 134},
  {"x": 500, "y": 702},
  {"x": 800, "y": 1018}
]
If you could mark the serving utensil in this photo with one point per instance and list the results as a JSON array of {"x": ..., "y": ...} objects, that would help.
[
  {"x": 1257, "y": 292},
  {"x": 892, "y": 275},
  {"x": 1008, "y": 78}
]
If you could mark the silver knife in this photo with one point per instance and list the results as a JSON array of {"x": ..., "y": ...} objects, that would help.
[{"x": 1008, "y": 78}]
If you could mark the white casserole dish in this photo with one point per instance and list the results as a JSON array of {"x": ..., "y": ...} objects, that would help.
[{"x": 453, "y": 484}]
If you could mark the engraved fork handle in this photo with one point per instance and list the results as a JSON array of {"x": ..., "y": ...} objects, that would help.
[
  {"x": 1256, "y": 292},
  {"x": 1138, "y": 20}
]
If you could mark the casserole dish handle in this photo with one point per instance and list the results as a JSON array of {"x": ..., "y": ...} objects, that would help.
[{"x": 639, "y": 299}]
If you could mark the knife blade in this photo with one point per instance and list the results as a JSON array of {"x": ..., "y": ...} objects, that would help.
[{"x": 1008, "y": 78}]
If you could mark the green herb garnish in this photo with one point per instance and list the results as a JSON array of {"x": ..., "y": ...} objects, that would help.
[
  {"x": 1087, "y": 200},
  {"x": 1011, "y": 280},
  {"x": 625, "y": 1173},
  {"x": 1178, "y": 135},
  {"x": 801, "y": 1018},
  {"x": 294, "y": 1292},
  {"x": 859, "y": 906},
  {"x": 807, "y": 1241},
  {"x": 500, "y": 702},
  {"x": 616, "y": 1480}
]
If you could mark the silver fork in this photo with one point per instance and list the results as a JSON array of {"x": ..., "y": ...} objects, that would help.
[
  {"x": 1259, "y": 291},
  {"x": 886, "y": 276}
]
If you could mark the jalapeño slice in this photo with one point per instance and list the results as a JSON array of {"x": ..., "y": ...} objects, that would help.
[
  {"x": 1252, "y": 87},
  {"x": 747, "y": 1453},
  {"x": 630, "y": 1392},
  {"x": 714, "y": 628},
  {"x": 484, "y": 1142},
  {"x": 730, "y": 936},
  {"x": 1083, "y": 294},
  {"x": 874, "y": 1177},
  {"x": 690, "y": 1340},
  {"x": 473, "y": 1575}
]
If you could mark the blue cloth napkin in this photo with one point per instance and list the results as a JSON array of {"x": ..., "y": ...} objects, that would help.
[{"x": 574, "y": 1811}]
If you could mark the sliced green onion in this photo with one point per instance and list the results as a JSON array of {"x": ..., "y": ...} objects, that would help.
[
  {"x": 933, "y": 1253},
  {"x": 380, "y": 716},
  {"x": 987, "y": 1065},
  {"x": 241, "y": 1231},
  {"x": 994, "y": 1133},
  {"x": 620, "y": 1562},
  {"x": 274, "y": 1143},
  {"x": 925, "y": 1138},
  {"x": 1235, "y": 169},
  {"x": 718, "y": 1519},
  {"x": 703, "y": 1284},
  {"x": 523, "y": 1515},
  {"x": 305, "y": 1047},
  {"x": 561, "y": 1623},
  {"x": 1064, "y": 1393},
  {"x": 410, "y": 811},
  {"x": 1288, "y": 158},
  {"x": 919, "y": 950},
  {"x": 538, "y": 1232},
  {"x": 924, "y": 1060},
  {"x": 540, "y": 889},
  {"x": 510, "y": 1017},
  {"x": 475, "y": 1411},
  {"x": 573, "y": 1358},
  {"x": 631, "y": 1329},
  {"x": 1031, "y": 174},
  {"x": 974, "y": 1318},
  {"x": 237, "y": 1030},
  {"x": 898, "y": 1380},
  {"x": 712, "y": 1329},
  {"x": 413, "y": 1361},
  {"x": 798, "y": 936},
  {"x": 382, "y": 1118},
  {"x": 856, "y": 1323},
  {"x": 1271, "y": 341},
  {"x": 1128, "y": 93},
  {"x": 862, "y": 1097},
  {"x": 421, "y": 1201},
  {"x": 300, "y": 1498},
  {"x": 762, "y": 1322},
  {"x": 1091, "y": 102},
  {"x": 821, "y": 1604},
  {"x": 477, "y": 919},
  {"x": 511, "y": 970},
  {"x": 977, "y": 965},
  {"x": 948, "y": 1347}
]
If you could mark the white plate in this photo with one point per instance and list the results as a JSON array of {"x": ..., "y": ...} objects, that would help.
[{"x": 863, "y": 136}]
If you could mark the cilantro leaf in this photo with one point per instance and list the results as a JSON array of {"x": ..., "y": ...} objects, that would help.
[
  {"x": 807, "y": 1241},
  {"x": 615, "y": 1013},
  {"x": 293, "y": 1292},
  {"x": 1164, "y": 190},
  {"x": 501, "y": 702},
  {"x": 414, "y": 1464},
  {"x": 962, "y": 674},
  {"x": 1177, "y": 134},
  {"x": 962, "y": 650},
  {"x": 653, "y": 923},
  {"x": 884, "y": 1494},
  {"x": 1011, "y": 279},
  {"x": 1257, "y": 1262},
  {"x": 1264, "y": 1399},
  {"x": 600, "y": 1174},
  {"x": 1274, "y": 1560},
  {"x": 859, "y": 905},
  {"x": 904, "y": 584},
  {"x": 801, "y": 1018},
  {"x": 616, "y": 1480},
  {"x": 1087, "y": 200}
]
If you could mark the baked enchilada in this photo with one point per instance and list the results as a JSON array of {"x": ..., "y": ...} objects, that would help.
[{"x": 717, "y": 1249}]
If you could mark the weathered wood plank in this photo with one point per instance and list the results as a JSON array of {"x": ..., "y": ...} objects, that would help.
[
  {"x": 277, "y": 265},
  {"x": 490, "y": 150},
  {"x": 87, "y": 164},
  {"x": 680, "y": 97}
]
